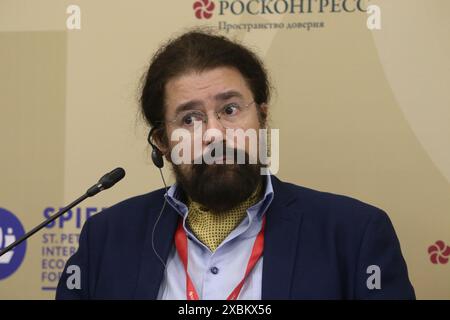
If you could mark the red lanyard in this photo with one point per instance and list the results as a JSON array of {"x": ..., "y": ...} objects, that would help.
[{"x": 181, "y": 245}]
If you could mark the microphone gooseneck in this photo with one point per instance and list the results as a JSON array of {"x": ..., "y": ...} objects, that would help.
[{"x": 105, "y": 182}]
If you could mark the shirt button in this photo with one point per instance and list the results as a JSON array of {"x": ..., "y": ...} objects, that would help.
[{"x": 214, "y": 270}]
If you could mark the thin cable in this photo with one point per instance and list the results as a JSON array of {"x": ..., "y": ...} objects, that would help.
[{"x": 157, "y": 221}]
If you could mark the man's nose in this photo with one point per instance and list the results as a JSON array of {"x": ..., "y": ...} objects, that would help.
[{"x": 214, "y": 129}]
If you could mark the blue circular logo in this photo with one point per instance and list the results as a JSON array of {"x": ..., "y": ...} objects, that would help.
[{"x": 10, "y": 230}]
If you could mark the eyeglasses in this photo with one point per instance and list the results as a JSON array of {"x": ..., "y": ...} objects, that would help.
[{"x": 230, "y": 115}]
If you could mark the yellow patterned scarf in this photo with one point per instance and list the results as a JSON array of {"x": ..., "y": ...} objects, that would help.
[{"x": 212, "y": 228}]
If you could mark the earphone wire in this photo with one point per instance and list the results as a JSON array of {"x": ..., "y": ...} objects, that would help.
[{"x": 157, "y": 221}]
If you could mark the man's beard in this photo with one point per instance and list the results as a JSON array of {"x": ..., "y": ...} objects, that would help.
[{"x": 219, "y": 187}]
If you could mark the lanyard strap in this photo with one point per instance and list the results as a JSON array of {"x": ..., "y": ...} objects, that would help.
[{"x": 181, "y": 245}]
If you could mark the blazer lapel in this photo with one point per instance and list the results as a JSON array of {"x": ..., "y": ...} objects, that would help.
[
  {"x": 151, "y": 269},
  {"x": 280, "y": 243}
]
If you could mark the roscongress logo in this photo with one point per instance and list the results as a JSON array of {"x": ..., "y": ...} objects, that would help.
[
  {"x": 439, "y": 252},
  {"x": 10, "y": 230},
  {"x": 204, "y": 9}
]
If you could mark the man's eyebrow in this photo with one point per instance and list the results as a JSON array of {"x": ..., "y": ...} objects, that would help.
[
  {"x": 195, "y": 104},
  {"x": 227, "y": 95}
]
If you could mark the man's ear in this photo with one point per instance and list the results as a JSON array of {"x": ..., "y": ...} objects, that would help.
[
  {"x": 160, "y": 141},
  {"x": 163, "y": 149}
]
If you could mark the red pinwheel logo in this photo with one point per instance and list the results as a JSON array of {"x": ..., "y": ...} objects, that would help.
[
  {"x": 439, "y": 252},
  {"x": 203, "y": 9}
]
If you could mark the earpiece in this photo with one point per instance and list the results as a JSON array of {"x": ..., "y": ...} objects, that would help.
[
  {"x": 158, "y": 161},
  {"x": 157, "y": 156}
]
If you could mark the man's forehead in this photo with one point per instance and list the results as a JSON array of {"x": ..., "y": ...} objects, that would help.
[{"x": 212, "y": 84}]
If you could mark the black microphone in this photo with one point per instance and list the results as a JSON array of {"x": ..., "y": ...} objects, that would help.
[{"x": 105, "y": 182}]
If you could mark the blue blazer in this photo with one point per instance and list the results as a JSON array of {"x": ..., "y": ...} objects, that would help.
[{"x": 317, "y": 246}]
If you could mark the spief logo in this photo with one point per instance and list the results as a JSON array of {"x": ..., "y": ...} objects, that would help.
[{"x": 10, "y": 230}]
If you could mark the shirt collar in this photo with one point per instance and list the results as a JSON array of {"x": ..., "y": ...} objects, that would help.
[{"x": 173, "y": 197}]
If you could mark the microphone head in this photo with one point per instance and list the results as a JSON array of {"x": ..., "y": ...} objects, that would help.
[{"x": 111, "y": 178}]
